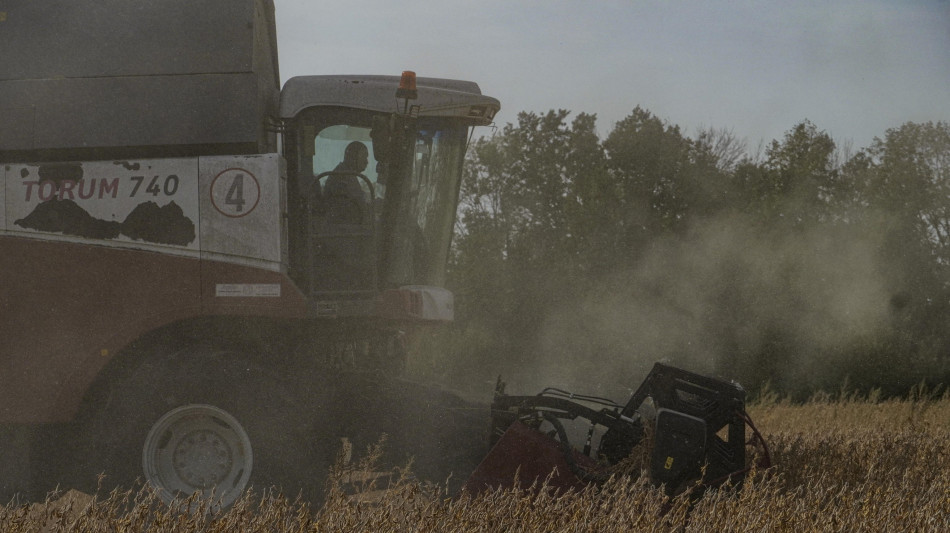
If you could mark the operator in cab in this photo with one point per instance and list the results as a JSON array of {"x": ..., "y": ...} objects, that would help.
[{"x": 343, "y": 191}]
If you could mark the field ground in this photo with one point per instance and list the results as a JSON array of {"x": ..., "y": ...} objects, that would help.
[{"x": 845, "y": 464}]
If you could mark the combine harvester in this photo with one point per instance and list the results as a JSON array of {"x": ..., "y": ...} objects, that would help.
[
  {"x": 199, "y": 267},
  {"x": 204, "y": 275}
]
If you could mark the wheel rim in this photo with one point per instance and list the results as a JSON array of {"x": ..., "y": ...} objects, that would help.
[{"x": 198, "y": 448}]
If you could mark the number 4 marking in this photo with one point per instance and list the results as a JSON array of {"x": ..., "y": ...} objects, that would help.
[{"x": 235, "y": 194}]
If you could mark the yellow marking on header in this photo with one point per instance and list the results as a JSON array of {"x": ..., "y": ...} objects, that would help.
[
  {"x": 3, "y": 16},
  {"x": 669, "y": 463}
]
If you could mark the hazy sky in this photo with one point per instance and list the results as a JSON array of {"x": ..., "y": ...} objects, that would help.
[{"x": 854, "y": 68}]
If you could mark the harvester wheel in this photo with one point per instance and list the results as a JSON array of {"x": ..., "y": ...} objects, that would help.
[
  {"x": 202, "y": 419},
  {"x": 198, "y": 448}
]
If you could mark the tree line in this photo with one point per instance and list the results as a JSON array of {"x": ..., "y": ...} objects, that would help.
[{"x": 579, "y": 261}]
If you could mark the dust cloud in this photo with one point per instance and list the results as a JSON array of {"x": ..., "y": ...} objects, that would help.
[{"x": 714, "y": 302}]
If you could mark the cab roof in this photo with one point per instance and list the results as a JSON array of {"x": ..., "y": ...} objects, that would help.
[{"x": 436, "y": 97}]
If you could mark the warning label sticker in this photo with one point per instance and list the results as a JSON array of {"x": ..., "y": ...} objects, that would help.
[{"x": 266, "y": 290}]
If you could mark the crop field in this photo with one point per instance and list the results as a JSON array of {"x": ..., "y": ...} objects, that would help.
[{"x": 840, "y": 464}]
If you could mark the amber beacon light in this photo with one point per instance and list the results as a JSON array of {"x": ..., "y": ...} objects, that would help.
[{"x": 407, "y": 86}]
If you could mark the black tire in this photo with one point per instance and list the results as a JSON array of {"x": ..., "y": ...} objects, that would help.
[
  {"x": 443, "y": 435},
  {"x": 225, "y": 396}
]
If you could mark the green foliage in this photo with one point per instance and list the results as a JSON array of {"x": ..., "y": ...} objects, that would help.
[
  {"x": 579, "y": 261},
  {"x": 532, "y": 202}
]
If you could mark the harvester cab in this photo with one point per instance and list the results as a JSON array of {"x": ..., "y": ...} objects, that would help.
[
  {"x": 687, "y": 429},
  {"x": 381, "y": 222}
]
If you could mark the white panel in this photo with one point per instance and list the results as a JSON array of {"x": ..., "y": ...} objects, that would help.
[
  {"x": 3, "y": 198},
  {"x": 241, "y": 208},
  {"x": 151, "y": 202}
]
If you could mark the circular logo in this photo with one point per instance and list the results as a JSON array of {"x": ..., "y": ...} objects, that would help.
[{"x": 235, "y": 192}]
